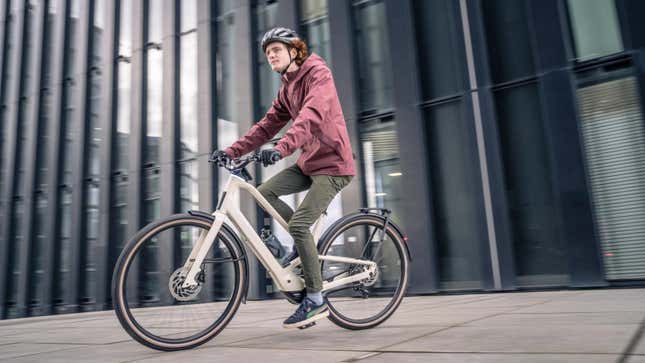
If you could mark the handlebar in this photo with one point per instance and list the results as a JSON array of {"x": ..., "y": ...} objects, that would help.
[{"x": 237, "y": 166}]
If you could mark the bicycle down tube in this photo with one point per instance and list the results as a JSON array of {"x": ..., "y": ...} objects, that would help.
[{"x": 285, "y": 278}]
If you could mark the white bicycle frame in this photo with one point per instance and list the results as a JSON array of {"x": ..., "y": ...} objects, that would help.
[{"x": 285, "y": 278}]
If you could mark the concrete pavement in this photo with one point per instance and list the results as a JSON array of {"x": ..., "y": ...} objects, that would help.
[{"x": 550, "y": 326}]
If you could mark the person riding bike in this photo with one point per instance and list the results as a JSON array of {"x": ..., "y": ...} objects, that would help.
[{"x": 326, "y": 164}]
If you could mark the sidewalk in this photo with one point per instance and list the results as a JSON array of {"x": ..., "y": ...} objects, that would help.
[{"x": 553, "y": 326}]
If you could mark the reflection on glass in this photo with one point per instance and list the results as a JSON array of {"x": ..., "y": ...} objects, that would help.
[
  {"x": 439, "y": 47},
  {"x": 540, "y": 255},
  {"x": 595, "y": 28},
  {"x": 188, "y": 97},
  {"x": 154, "y": 111},
  {"x": 375, "y": 70},
  {"x": 315, "y": 27},
  {"x": 382, "y": 166},
  {"x": 188, "y": 13},
  {"x": 123, "y": 116},
  {"x": 99, "y": 14},
  {"x": 155, "y": 21},
  {"x": 456, "y": 196},
  {"x": 125, "y": 28},
  {"x": 269, "y": 82}
]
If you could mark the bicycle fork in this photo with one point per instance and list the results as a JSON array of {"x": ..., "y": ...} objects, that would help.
[{"x": 206, "y": 238}]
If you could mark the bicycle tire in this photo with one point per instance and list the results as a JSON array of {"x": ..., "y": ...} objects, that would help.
[
  {"x": 130, "y": 252},
  {"x": 367, "y": 219}
]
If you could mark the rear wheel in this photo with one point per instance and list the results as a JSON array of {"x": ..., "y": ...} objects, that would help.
[
  {"x": 149, "y": 300},
  {"x": 370, "y": 302}
]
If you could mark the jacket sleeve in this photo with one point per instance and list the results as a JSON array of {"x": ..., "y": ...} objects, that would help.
[
  {"x": 316, "y": 104},
  {"x": 276, "y": 117}
]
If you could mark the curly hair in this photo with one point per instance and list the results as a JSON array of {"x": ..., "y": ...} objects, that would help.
[{"x": 301, "y": 47}]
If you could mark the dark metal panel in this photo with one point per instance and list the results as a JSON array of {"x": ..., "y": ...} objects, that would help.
[
  {"x": 346, "y": 80},
  {"x": 207, "y": 103},
  {"x": 494, "y": 160},
  {"x": 31, "y": 118},
  {"x": 417, "y": 211},
  {"x": 137, "y": 133},
  {"x": 77, "y": 243},
  {"x": 169, "y": 183},
  {"x": 107, "y": 117},
  {"x": 11, "y": 119},
  {"x": 557, "y": 93},
  {"x": 51, "y": 219}
]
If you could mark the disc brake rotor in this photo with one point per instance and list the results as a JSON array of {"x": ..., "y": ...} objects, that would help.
[{"x": 178, "y": 291}]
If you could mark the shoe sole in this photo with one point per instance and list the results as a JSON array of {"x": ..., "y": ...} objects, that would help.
[{"x": 314, "y": 318}]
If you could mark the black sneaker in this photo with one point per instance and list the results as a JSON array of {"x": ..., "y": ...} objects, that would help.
[{"x": 307, "y": 313}]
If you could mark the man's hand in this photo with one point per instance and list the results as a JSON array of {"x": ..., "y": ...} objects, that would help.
[
  {"x": 220, "y": 157},
  {"x": 270, "y": 157}
]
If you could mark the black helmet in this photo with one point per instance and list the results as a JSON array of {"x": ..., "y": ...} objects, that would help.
[{"x": 284, "y": 35}]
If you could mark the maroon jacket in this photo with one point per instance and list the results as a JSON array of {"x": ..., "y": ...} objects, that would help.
[{"x": 308, "y": 96}]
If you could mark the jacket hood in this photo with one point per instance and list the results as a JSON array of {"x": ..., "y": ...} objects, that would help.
[{"x": 312, "y": 61}]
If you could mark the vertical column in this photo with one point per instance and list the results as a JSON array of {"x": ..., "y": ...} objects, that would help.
[
  {"x": 78, "y": 169},
  {"x": 168, "y": 176},
  {"x": 206, "y": 107},
  {"x": 499, "y": 263},
  {"x": 108, "y": 97},
  {"x": 51, "y": 219},
  {"x": 243, "y": 113},
  {"x": 9, "y": 116},
  {"x": 346, "y": 79},
  {"x": 29, "y": 158},
  {"x": 561, "y": 126},
  {"x": 137, "y": 132},
  {"x": 207, "y": 103},
  {"x": 417, "y": 207}
]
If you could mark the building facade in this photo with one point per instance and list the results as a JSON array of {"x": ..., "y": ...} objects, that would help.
[{"x": 507, "y": 136}]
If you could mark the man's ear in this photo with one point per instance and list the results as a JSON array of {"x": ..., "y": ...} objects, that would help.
[{"x": 294, "y": 53}]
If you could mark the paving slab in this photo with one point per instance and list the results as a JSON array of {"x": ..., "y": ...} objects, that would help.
[
  {"x": 525, "y": 339},
  {"x": 490, "y": 358},
  {"x": 547, "y": 326}
]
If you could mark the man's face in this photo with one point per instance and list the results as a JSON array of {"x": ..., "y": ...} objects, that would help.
[{"x": 277, "y": 56}]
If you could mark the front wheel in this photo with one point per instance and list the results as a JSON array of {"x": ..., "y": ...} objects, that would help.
[
  {"x": 147, "y": 292},
  {"x": 368, "y": 303}
]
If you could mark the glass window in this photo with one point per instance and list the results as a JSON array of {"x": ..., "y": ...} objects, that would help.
[
  {"x": 381, "y": 159},
  {"x": 269, "y": 81},
  {"x": 440, "y": 48},
  {"x": 125, "y": 28},
  {"x": 37, "y": 257},
  {"x": 122, "y": 136},
  {"x": 155, "y": 21},
  {"x": 540, "y": 255},
  {"x": 375, "y": 69},
  {"x": 7, "y": 79},
  {"x": 188, "y": 13},
  {"x": 456, "y": 192},
  {"x": 613, "y": 133},
  {"x": 188, "y": 97},
  {"x": 595, "y": 28},
  {"x": 154, "y": 110},
  {"x": 226, "y": 73},
  {"x": 315, "y": 27},
  {"x": 508, "y": 38}
]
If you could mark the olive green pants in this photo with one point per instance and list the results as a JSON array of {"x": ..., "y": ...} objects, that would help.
[{"x": 322, "y": 189}]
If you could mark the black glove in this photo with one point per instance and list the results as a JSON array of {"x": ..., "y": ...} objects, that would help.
[
  {"x": 270, "y": 157},
  {"x": 219, "y": 156}
]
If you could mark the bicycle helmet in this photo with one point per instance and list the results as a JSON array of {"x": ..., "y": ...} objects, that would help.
[{"x": 279, "y": 34}]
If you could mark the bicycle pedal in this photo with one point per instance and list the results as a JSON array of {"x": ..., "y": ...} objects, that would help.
[{"x": 307, "y": 326}]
